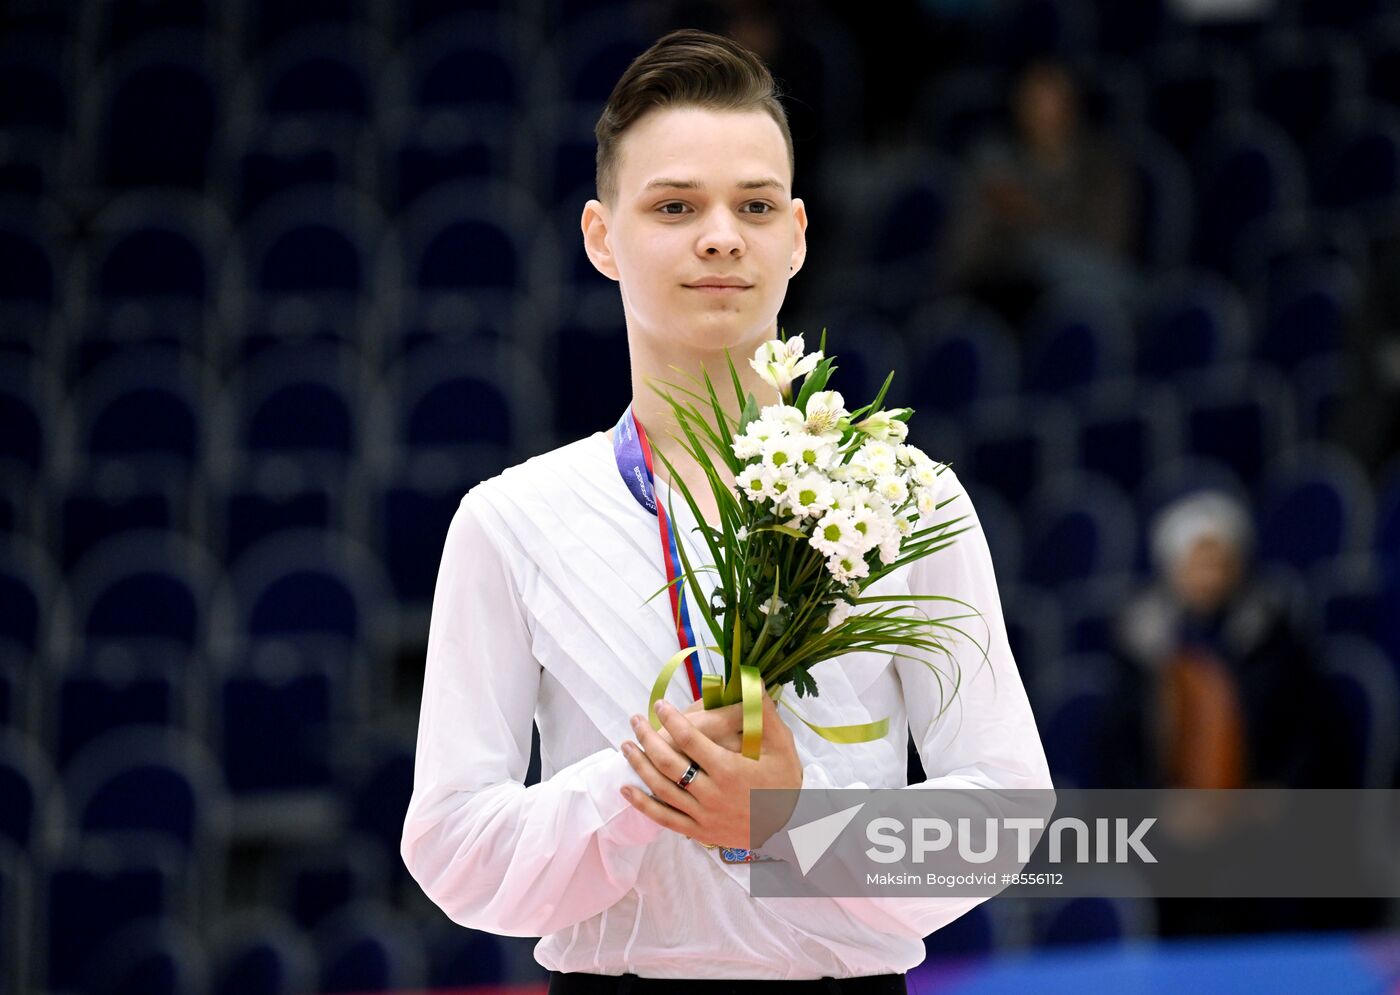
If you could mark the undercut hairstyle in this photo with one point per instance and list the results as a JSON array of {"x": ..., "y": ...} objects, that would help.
[{"x": 686, "y": 68}]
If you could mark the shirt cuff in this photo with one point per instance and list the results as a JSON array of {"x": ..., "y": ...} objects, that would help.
[{"x": 622, "y": 823}]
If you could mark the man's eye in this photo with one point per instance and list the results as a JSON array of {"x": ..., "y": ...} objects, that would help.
[
  {"x": 767, "y": 208},
  {"x": 674, "y": 203}
]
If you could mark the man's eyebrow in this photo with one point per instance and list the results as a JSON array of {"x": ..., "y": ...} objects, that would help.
[{"x": 757, "y": 184}]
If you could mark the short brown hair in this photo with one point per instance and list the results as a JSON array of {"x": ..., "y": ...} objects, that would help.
[{"x": 686, "y": 68}]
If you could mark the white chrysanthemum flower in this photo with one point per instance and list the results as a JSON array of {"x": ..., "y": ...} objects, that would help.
[
  {"x": 904, "y": 525},
  {"x": 889, "y": 546},
  {"x": 925, "y": 476},
  {"x": 928, "y": 501},
  {"x": 825, "y": 409},
  {"x": 838, "y": 614},
  {"x": 810, "y": 494},
  {"x": 877, "y": 457},
  {"x": 893, "y": 489},
  {"x": 780, "y": 363},
  {"x": 847, "y": 567},
  {"x": 752, "y": 482},
  {"x": 745, "y": 446},
  {"x": 779, "y": 479},
  {"x": 779, "y": 453},
  {"x": 909, "y": 454},
  {"x": 834, "y": 532},
  {"x": 870, "y": 526},
  {"x": 813, "y": 452}
]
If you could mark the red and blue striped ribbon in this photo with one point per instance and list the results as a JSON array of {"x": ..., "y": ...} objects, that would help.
[{"x": 634, "y": 462}]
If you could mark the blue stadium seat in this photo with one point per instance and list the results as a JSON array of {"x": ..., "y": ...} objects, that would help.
[
  {"x": 961, "y": 354},
  {"x": 975, "y": 933},
  {"x": 16, "y": 914},
  {"x": 1387, "y": 544},
  {"x": 274, "y": 710},
  {"x": 454, "y": 244},
  {"x": 426, "y": 16},
  {"x": 369, "y": 947},
  {"x": 1011, "y": 446},
  {"x": 1310, "y": 317},
  {"x": 462, "y": 399},
  {"x": 143, "y": 404},
  {"x": 957, "y": 109},
  {"x": 468, "y": 63},
  {"x": 28, "y": 592},
  {"x": 27, "y": 795},
  {"x": 27, "y": 402},
  {"x": 1239, "y": 416},
  {"x": 320, "y": 76},
  {"x": 1247, "y": 169},
  {"x": 1000, "y": 523},
  {"x": 157, "y": 249},
  {"x": 562, "y": 157},
  {"x": 1189, "y": 89},
  {"x": 35, "y": 92},
  {"x": 142, "y": 584},
  {"x": 141, "y": 783},
  {"x": 1094, "y": 919},
  {"x": 313, "y": 242},
  {"x": 256, "y": 498},
  {"x": 260, "y": 950},
  {"x": 412, "y": 506},
  {"x": 1090, "y": 608},
  {"x": 459, "y": 957},
  {"x": 110, "y": 498},
  {"x": 376, "y": 788},
  {"x": 34, "y": 268},
  {"x": 1382, "y": 52},
  {"x": 269, "y": 22},
  {"x": 1302, "y": 79},
  {"x": 1071, "y": 734},
  {"x": 88, "y": 893},
  {"x": 155, "y": 957},
  {"x": 314, "y": 882},
  {"x": 1034, "y": 631},
  {"x": 1346, "y": 596},
  {"x": 594, "y": 51},
  {"x": 1188, "y": 320},
  {"x": 160, "y": 112},
  {"x": 262, "y": 159},
  {"x": 15, "y": 683},
  {"x": 1073, "y": 344},
  {"x": 122, "y": 23},
  {"x": 1356, "y": 167},
  {"x": 1078, "y": 525},
  {"x": 428, "y": 151},
  {"x": 112, "y": 687},
  {"x": 901, "y": 220},
  {"x": 1360, "y": 685},
  {"x": 301, "y": 401},
  {"x": 1124, "y": 429},
  {"x": 1317, "y": 504},
  {"x": 867, "y": 347},
  {"x": 304, "y": 584},
  {"x": 1164, "y": 194}
]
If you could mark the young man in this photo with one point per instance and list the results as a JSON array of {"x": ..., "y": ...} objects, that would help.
[{"x": 541, "y": 611}]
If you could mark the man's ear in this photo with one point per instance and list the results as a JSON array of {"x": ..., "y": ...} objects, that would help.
[
  {"x": 799, "y": 249},
  {"x": 595, "y": 238}
]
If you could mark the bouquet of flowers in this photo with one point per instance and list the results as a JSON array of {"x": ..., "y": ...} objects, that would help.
[{"x": 825, "y": 502}]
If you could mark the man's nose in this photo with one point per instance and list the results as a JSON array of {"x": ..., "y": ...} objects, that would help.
[{"x": 722, "y": 236}]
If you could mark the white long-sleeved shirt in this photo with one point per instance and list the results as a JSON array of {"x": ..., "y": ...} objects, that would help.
[{"x": 538, "y": 614}]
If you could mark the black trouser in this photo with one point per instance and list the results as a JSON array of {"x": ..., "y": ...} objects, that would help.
[{"x": 577, "y": 983}]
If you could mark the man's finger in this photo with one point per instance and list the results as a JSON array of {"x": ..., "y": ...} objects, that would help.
[{"x": 692, "y": 742}]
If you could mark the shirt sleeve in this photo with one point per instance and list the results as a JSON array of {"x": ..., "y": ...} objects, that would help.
[
  {"x": 986, "y": 737},
  {"x": 492, "y": 853}
]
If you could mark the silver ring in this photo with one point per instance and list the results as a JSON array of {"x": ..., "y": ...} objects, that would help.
[{"x": 688, "y": 776}]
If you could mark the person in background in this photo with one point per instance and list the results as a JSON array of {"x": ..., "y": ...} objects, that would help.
[
  {"x": 1050, "y": 207},
  {"x": 1216, "y": 682}
]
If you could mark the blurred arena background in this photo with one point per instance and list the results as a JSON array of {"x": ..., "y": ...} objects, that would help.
[{"x": 280, "y": 281}]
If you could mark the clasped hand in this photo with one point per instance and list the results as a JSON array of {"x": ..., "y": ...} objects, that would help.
[{"x": 714, "y": 808}]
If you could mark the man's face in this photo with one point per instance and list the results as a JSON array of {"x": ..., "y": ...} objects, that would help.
[{"x": 702, "y": 195}]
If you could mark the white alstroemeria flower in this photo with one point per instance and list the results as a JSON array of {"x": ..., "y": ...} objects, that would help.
[
  {"x": 780, "y": 363},
  {"x": 880, "y": 425},
  {"x": 742, "y": 533},
  {"x": 825, "y": 409},
  {"x": 834, "y": 532},
  {"x": 838, "y": 614},
  {"x": 763, "y": 605},
  {"x": 810, "y": 494},
  {"x": 785, "y": 417},
  {"x": 847, "y": 567}
]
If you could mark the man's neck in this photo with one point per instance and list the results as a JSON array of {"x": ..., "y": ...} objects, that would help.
[{"x": 655, "y": 366}]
